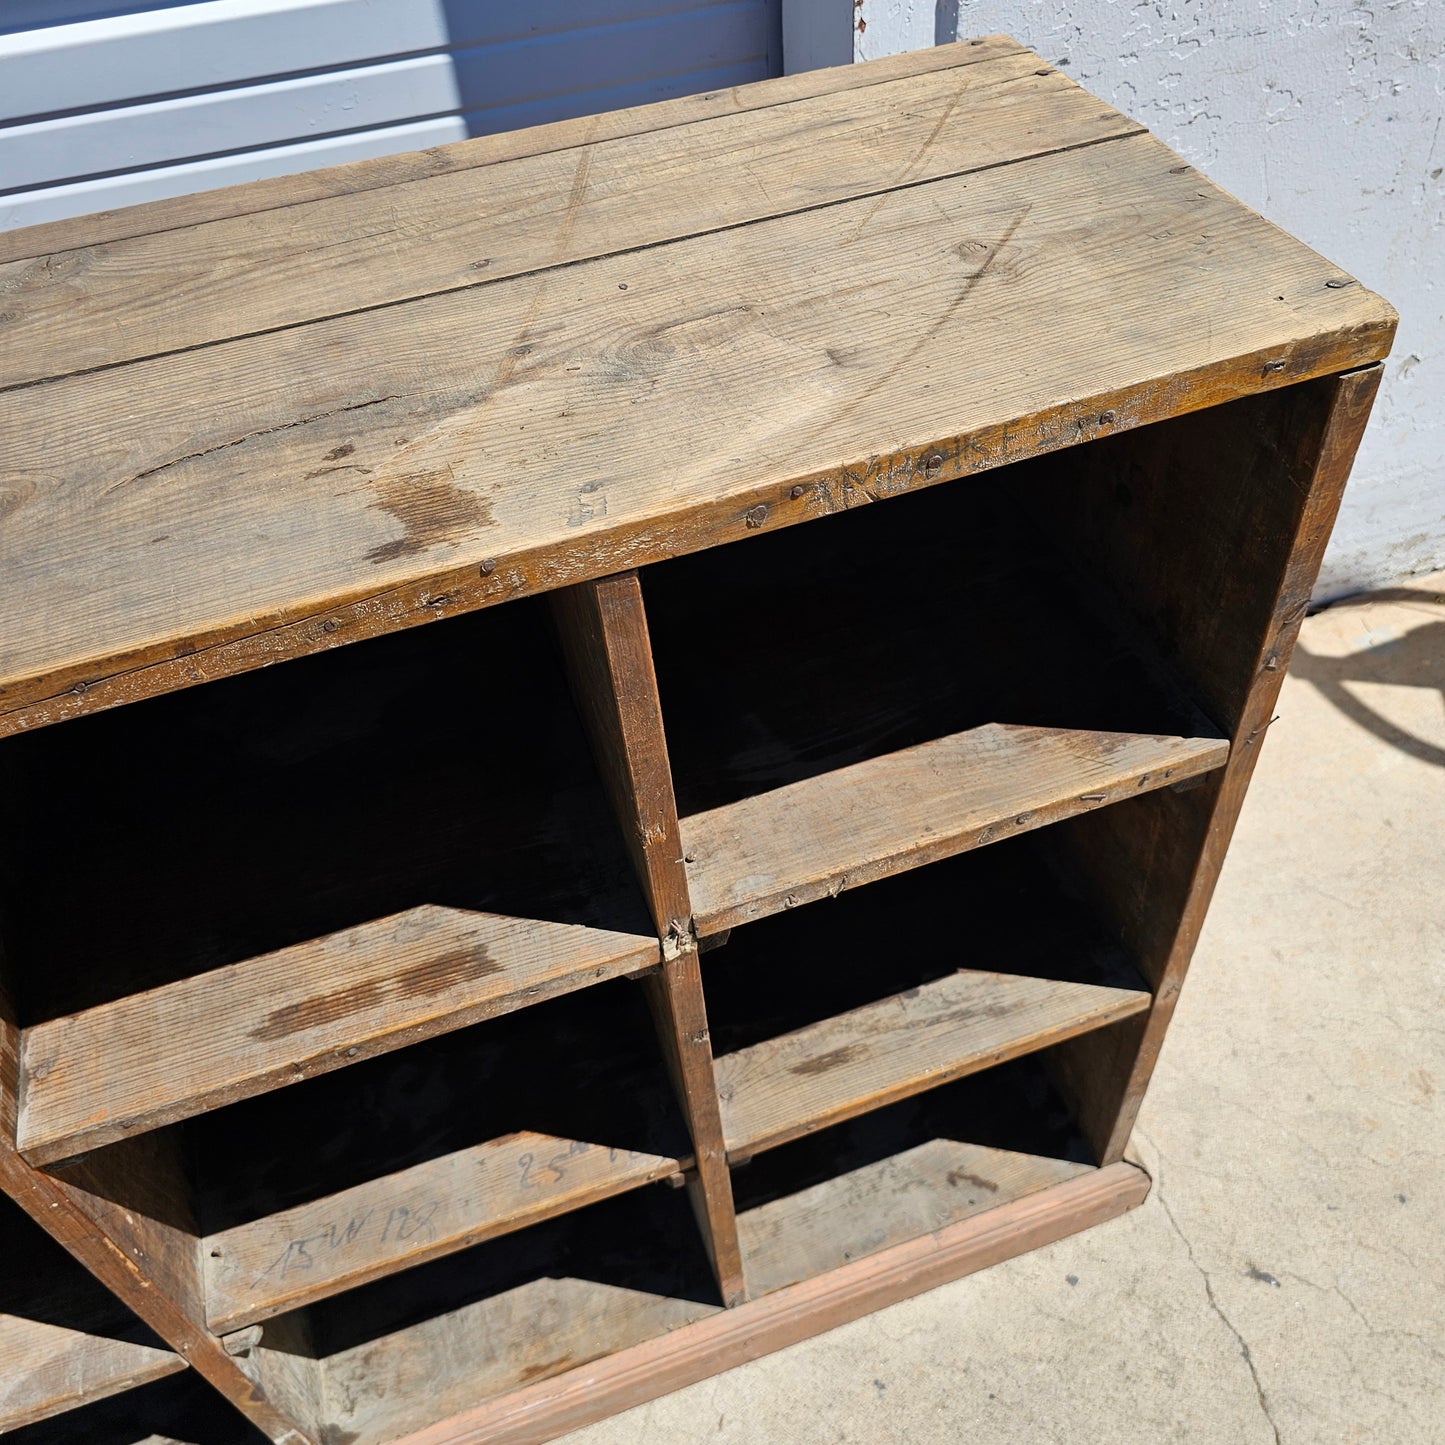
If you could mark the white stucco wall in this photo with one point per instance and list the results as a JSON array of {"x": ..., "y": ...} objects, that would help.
[{"x": 1325, "y": 115}]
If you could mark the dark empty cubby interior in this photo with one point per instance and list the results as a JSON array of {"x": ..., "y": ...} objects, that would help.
[
  {"x": 1012, "y": 1107},
  {"x": 806, "y": 965},
  {"x": 442, "y": 765},
  {"x": 886, "y": 626},
  {"x": 603, "y": 1083}
]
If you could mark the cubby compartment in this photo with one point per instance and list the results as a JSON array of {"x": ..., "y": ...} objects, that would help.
[
  {"x": 821, "y": 1014},
  {"x": 230, "y": 888},
  {"x": 448, "y": 1337},
  {"x": 65, "y": 1341},
  {"x": 295, "y": 1196},
  {"x": 903, "y": 1171},
  {"x": 894, "y": 684}
]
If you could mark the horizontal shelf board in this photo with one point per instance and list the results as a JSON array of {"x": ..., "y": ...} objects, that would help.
[
  {"x": 46, "y": 1369},
  {"x": 914, "y": 1193},
  {"x": 728, "y": 1338},
  {"x": 300, "y": 1255},
  {"x": 786, "y": 1087},
  {"x": 149, "y": 1059},
  {"x": 812, "y": 839}
]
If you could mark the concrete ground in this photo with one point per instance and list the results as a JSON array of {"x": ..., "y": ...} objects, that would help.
[{"x": 1285, "y": 1280}]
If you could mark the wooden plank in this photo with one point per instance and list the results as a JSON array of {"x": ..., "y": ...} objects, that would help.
[
  {"x": 165, "y": 1054},
  {"x": 166, "y": 292},
  {"x": 603, "y": 628},
  {"x": 920, "y": 1191},
  {"x": 49, "y": 1369},
  {"x": 1226, "y": 526},
  {"x": 374, "y": 471},
  {"x": 787, "y": 1087},
  {"x": 380, "y": 172},
  {"x": 813, "y": 839},
  {"x": 551, "y": 1407},
  {"x": 300, "y": 1255},
  {"x": 679, "y": 1010}
]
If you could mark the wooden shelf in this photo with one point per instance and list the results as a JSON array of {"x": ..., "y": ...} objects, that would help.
[
  {"x": 786, "y": 1087},
  {"x": 815, "y": 838},
  {"x": 48, "y": 1369},
  {"x": 399, "y": 1353},
  {"x": 152, "y": 1058},
  {"x": 64, "y": 1341},
  {"x": 306, "y": 1253},
  {"x": 918, "y": 1192}
]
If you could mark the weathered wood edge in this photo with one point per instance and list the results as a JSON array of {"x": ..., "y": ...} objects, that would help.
[
  {"x": 252, "y": 197},
  {"x": 1339, "y": 439},
  {"x": 543, "y": 1411},
  {"x": 317, "y": 624}
]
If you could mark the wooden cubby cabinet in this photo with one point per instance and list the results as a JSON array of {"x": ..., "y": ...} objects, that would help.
[{"x": 741, "y": 905}]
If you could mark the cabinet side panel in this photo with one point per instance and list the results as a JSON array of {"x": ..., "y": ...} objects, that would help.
[{"x": 1208, "y": 531}]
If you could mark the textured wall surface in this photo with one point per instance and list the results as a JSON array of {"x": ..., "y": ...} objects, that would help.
[{"x": 1325, "y": 115}]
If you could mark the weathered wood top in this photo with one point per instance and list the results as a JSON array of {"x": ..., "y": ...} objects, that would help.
[{"x": 252, "y": 425}]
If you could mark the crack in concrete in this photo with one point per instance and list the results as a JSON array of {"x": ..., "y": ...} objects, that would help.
[{"x": 1214, "y": 1304}]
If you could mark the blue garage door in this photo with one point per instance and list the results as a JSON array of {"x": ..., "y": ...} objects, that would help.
[{"x": 106, "y": 105}]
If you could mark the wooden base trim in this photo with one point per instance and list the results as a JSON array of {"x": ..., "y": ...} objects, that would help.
[{"x": 723, "y": 1341}]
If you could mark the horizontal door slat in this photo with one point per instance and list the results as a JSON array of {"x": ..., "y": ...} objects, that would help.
[
  {"x": 813, "y": 839},
  {"x": 168, "y": 1053},
  {"x": 786, "y": 1087}
]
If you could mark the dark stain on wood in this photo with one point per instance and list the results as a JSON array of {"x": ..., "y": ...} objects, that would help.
[
  {"x": 310, "y": 1013},
  {"x": 436, "y": 975},
  {"x": 956, "y": 1177},
  {"x": 537, "y": 1372},
  {"x": 336, "y": 453},
  {"x": 833, "y": 1059},
  {"x": 432, "y": 510}
]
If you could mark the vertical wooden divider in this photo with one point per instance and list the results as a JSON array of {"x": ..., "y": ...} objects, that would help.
[
  {"x": 603, "y": 630},
  {"x": 120, "y": 1212},
  {"x": 1214, "y": 542}
]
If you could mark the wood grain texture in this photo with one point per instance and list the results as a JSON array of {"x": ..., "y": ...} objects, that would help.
[
  {"x": 920, "y": 1191},
  {"x": 603, "y": 628},
  {"x": 167, "y": 292},
  {"x": 375, "y": 471},
  {"x": 675, "y": 996},
  {"x": 786, "y": 1087},
  {"x": 813, "y": 839},
  {"x": 380, "y": 172},
  {"x": 300, "y": 1255},
  {"x": 165, "y": 1054},
  {"x": 550, "y": 1408},
  {"x": 47, "y": 1369}
]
